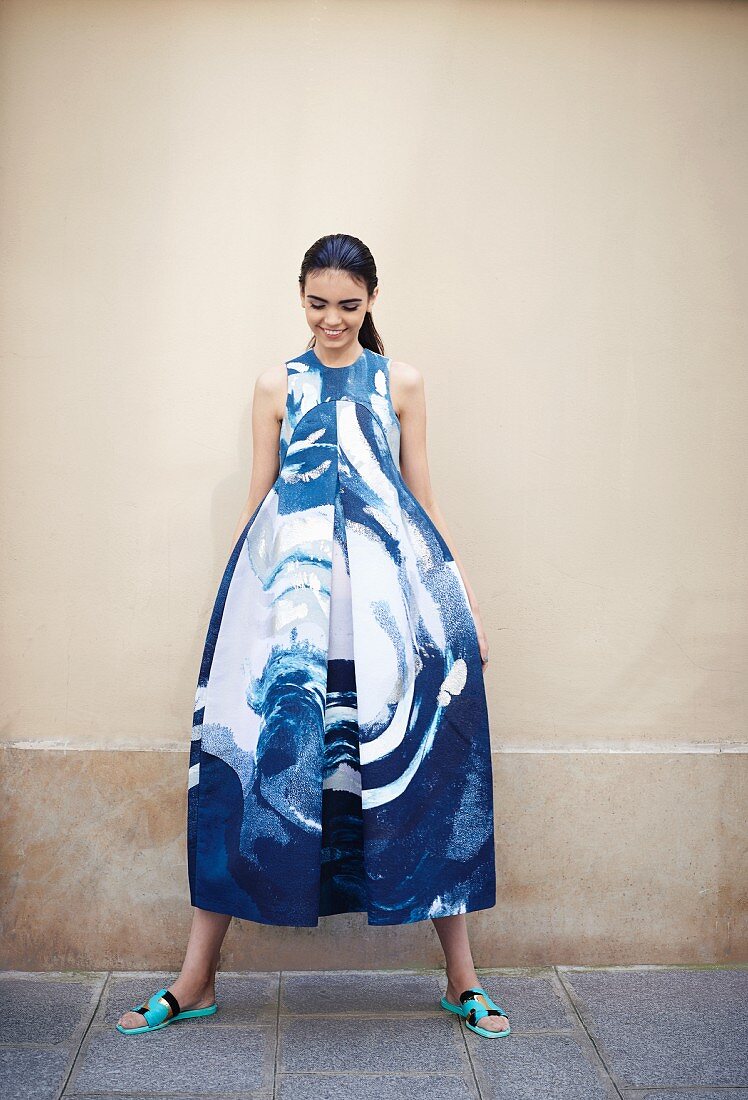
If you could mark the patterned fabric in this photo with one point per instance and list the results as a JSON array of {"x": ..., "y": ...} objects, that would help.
[{"x": 340, "y": 757}]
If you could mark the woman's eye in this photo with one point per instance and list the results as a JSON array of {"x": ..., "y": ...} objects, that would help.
[{"x": 348, "y": 309}]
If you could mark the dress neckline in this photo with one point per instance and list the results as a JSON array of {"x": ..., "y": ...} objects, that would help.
[{"x": 347, "y": 365}]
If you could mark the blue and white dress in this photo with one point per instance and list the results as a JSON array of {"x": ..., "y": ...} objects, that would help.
[{"x": 340, "y": 757}]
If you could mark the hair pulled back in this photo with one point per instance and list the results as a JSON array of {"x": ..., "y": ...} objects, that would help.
[{"x": 342, "y": 252}]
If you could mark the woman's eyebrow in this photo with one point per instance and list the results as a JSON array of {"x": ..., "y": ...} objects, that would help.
[{"x": 342, "y": 302}]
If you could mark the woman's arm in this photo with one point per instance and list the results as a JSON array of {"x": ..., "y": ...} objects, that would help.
[
  {"x": 409, "y": 402},
  {"x": 268, "y": 410}
]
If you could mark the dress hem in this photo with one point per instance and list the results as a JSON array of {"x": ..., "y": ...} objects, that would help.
[{"x": 210, "y": 907}]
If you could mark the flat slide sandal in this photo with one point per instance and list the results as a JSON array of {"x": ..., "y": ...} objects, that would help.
[
  {"x": 471, "y": 1010},
  {"x": 162, "y": 1008}
]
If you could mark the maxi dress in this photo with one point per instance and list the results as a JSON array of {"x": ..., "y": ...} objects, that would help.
[{"x": 340, "y": 757}]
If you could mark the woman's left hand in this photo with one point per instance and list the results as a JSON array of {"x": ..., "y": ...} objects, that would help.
[{"x": 482, "y": 639}]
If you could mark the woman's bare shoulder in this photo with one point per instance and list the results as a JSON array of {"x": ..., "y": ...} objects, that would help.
[
  {"x": 272, "y": 378},
  {"x": 406, "y": 386},
  {"x": 271, "y": 387},
  {"x": 404, "y": 374}
]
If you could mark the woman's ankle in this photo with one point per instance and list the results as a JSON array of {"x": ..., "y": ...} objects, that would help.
[
  {"x": 462, "y": 979},
  {"x": 197, "y": 979}
]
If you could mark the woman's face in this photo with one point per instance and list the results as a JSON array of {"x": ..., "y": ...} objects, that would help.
[{"x": 335, "y": 303}]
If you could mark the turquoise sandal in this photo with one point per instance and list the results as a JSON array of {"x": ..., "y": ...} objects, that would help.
[
  {"x": 160, "y": 1009},
  {"x": 471, "y": 1010}
]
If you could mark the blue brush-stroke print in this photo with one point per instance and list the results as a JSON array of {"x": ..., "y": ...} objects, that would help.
[{"x": 274, "y": 834}]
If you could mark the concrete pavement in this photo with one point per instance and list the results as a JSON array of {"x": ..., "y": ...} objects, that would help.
[{"x": 660, "y": 1032}]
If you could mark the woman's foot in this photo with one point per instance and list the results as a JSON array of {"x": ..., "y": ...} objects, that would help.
[
  {"x": 454, "y": 989},
  {"x": 190, "y": 992}
]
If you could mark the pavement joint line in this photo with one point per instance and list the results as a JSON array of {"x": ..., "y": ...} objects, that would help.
[
  {"x": 258, "y": 1094},
  {"x": 657, "y": 966},
  {"x": 600, "y": 1050},
  {"x": 375, "y": 972},
  {"x": 276, "y": 1051},
  {"x": 259, "y": 1025},
  {"x": 455, "y": 1021},
  {"x": 471, "y": 1063},
  {"x": 389, "y": 1013},
  {"x": 249, "y": 1026},
  {"x": 85, "y": 1031},
  {"x": 355, "y": 1073}
]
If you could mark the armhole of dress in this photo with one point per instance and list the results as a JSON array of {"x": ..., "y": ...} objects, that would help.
[
  {"x": 284, "y": 421},
  {"x": 395, "y": 417}
]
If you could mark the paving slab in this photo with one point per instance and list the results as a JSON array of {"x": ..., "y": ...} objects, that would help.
[
  {"x": 373, "y": 1086},
  {"x": 32, "y": 1074},
  {"x": 371, "y": 1044},
  {"x": 666, "y": 1027},
  {"x": 361, "y": 991},
  {"x": 183, "y": 1057},
  {"x": 537, "y": 1067},
  {"x": 47, "y": 1009}
]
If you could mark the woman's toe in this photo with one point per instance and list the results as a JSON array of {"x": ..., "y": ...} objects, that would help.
[
  {"x": 493, "y": 1023},
  {"x": 131, "y": 1019}
]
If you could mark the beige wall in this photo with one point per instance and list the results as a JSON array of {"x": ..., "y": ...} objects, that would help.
[{"x": 554, "y": 194}]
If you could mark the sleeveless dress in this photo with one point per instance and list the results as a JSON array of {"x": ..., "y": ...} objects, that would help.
[{"x": 340, "y": 757}]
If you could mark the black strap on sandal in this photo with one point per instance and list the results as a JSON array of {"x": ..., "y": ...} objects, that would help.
[
  {"x": 471, "y": 1016},
  {"x": 172, "y": 1002},
  {"x": 170, "y": 999}
]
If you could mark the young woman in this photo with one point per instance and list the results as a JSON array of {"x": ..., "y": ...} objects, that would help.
[{"x": 340, "y": 757}]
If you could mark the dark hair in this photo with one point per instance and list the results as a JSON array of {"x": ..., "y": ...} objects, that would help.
[{"x": 341, "y": 252}]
